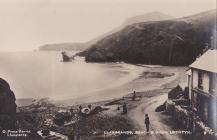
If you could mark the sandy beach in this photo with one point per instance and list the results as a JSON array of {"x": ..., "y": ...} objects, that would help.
[
  {"x": 150, "y": 78},
  {"x": 110, "y": 118}
]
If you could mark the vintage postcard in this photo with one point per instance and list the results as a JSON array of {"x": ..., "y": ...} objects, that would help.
[{"x": 108, "y": 70}]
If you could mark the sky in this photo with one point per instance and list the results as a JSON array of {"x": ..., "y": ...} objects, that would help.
[{"x": 27, "y": 24}]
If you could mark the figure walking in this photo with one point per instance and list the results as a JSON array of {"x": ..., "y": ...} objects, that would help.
[
  {"x": 147, "y": 122},
  {"x": 124, "y": 108}
]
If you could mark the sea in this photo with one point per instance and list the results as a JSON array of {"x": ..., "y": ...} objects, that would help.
[{"x": 43, "y": 75}]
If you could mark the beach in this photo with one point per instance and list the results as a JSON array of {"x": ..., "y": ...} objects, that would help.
[
  {"x": 109, "y": 121},
  {"x": 56, "y": 93}
]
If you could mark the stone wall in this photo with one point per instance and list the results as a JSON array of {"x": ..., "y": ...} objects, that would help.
[{"x": 186, "y": 119}]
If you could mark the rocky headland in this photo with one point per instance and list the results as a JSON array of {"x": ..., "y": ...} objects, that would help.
[{"x": 166, "y": 42}]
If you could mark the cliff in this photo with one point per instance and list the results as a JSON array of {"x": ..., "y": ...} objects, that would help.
[
  {"x": 7, "y": 99},
  {"x": 168, "y": 42}
]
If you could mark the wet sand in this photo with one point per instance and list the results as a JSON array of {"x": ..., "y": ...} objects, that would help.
[{"x": 154, "y": 77}]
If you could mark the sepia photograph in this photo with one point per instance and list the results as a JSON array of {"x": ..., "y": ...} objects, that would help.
[{"x": 108, "y": 70}]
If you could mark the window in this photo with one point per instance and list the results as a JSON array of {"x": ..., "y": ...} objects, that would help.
[
  {"x": 195, "y": 100},
  {"x": 206, "y": 112},
  {"x": 206, "y": 82},
  {"x": 213, "y": 83},
  {"x": 195, "y": 78},
  {"x": 200, "y": 80}
]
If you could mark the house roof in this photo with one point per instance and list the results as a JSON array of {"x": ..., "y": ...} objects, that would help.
[{"x": 207, "y": 62}]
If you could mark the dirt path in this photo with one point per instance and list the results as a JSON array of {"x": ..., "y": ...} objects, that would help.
[{"x": 157, "y": 119}]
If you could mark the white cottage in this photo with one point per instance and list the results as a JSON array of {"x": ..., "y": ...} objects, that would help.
[{"x": 202, "y": 87}]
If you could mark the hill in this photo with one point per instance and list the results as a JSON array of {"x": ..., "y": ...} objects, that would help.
[
  {"x": 153, "y": 16},
  {"x": 168, "y": 42}
]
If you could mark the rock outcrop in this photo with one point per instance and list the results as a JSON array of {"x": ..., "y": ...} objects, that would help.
[{"x": 7, "y": 99}]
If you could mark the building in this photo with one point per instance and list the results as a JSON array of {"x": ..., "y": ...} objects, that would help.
[{"x": 202, "y": 85}]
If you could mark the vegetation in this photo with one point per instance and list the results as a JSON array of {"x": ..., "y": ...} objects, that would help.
[{"x": 168, "y": 42}]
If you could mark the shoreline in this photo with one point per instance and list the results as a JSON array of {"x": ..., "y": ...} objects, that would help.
[
  {"x": 148, "y": 79},
  {"x": 110, "y": 118},
  {"x": 140, "y": 84}
]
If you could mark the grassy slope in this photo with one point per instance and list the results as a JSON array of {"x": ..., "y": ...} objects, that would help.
[{"x": 152, "y": 42}]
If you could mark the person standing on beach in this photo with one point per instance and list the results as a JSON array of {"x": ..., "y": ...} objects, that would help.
[
  {"x": 147, "y": 122},
  {"x": 124, "y": 108},
  {"x": 134, "y": 96}
]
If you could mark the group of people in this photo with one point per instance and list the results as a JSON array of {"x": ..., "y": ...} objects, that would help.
[{"x": 125, "y": 110}]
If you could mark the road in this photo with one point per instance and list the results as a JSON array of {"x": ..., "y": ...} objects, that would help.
[{"x": 158, "y": 120}]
